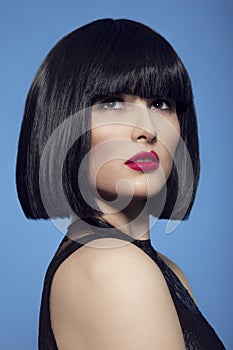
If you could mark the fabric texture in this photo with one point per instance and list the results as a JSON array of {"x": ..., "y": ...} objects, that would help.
[{"x": 198, "y": 334}]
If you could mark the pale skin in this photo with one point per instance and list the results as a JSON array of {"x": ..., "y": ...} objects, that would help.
[{"x": 111, "y": 298}]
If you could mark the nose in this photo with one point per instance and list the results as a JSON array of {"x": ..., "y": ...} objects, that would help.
[{"x": 144, "y": 129}]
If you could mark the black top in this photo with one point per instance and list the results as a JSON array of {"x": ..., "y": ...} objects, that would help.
[{"x": 198, "y": 334}]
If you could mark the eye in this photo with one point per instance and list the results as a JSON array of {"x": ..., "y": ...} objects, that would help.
[
  {"x": 162, "y": 104},
  {"x": 112, "y": 104}
]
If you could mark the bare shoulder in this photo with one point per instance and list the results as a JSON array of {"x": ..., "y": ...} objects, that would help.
[
  {"x": 113, "y": 298},
  {"x": 179, "y": 273}
]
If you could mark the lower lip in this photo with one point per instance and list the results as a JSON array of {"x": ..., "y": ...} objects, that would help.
[{"x": 142, "y": 166}]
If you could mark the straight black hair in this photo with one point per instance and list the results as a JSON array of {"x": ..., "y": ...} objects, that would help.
[{"x": 104, "y": 58}]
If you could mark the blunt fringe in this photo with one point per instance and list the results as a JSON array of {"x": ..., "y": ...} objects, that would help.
[{"x": 103, "y": 58}]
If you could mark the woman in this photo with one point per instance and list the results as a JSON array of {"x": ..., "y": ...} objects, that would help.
[{"x": 109, "y": 137}]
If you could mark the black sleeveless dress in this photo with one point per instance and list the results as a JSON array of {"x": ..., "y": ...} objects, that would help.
[{"x": 197, "y": 333}]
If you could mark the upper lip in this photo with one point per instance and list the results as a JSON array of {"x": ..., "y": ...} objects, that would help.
[{"x": 144, "y": 155}]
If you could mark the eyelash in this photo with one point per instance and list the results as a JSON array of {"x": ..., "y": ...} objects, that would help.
[
  {"x": 109, "y": 101},
  {"x": 162, "y": 104}
]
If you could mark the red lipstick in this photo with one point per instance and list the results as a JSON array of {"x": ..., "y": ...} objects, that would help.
[{"x": 143, "y": 161}]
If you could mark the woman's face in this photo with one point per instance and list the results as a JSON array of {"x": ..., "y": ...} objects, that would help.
[{"x": 133, "y": 142}]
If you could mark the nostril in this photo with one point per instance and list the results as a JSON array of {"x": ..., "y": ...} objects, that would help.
[
  {"x": 149, "y": 138},
  {"x": 153, "y": 139},
  {"x": 142, "y": 137}
]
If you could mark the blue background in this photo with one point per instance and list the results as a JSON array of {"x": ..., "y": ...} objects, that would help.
[{"x": 201, "y": 32}]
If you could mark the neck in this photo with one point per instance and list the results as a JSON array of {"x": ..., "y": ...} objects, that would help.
[{"x": 132, "y": 220}]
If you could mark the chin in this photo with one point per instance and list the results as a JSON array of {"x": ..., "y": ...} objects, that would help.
[
  {"x": 131, "y": 191},
  {"x": 141, "y": 186}
]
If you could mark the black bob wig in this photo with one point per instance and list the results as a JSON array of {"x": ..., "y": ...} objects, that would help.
[{"x": 103, "y": 58}]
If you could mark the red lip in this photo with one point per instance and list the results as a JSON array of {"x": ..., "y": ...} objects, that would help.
[{"x": 143, "y": 161}]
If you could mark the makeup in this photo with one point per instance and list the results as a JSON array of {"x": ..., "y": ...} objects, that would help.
[{"x": 143, "y": 161}]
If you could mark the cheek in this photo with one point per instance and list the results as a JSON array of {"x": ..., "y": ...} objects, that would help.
[
  {"x": 169, "y": 138},
  {"x": 105, "y": 156},
  {"x": 99, "y": 135}
]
